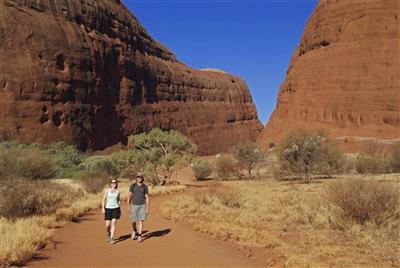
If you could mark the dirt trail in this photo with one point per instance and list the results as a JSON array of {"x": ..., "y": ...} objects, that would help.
[{"x": 167, "y": 243}]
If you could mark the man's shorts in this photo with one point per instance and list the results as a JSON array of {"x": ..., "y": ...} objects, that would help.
[{"x": 138, "y": 212}]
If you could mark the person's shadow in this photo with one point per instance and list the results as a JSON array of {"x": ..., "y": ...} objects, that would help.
[
  {"x": 146, "y": 235},
  {"x": 156, "y": 234}
]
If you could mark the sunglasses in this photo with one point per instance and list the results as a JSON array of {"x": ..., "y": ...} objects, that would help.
[{"x": 113, "y": 182}]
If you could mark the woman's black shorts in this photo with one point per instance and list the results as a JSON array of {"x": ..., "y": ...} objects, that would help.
[{"x": 112, "y": 213}]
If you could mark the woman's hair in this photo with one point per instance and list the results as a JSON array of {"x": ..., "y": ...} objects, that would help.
[{"x": 116, "y": 184}]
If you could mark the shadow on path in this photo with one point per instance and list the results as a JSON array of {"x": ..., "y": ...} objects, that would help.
[
  {"x": 146, "y": 235},
  {"x": 156, "y": 234}
]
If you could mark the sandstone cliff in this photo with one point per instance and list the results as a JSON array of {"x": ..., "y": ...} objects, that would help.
[
  {"x": 344, "y": 75},
  {"x": 86, "y": 72}
]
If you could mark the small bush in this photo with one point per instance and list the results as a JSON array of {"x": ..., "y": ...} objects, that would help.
[
  {"x": 22, "y": 198},
  {"x": 395, "y": 160},
  {"x": 225, "y": 167},
  {"x": 202, "y": 169},
  {"x": 99, "y": 163},
  {"x": 366, "y": 200},
  {"x": 26, "y": 162},
  {"x": 305, "y": 153},
  {"x": 67, "y": 156},
  {"x": 224, "y": 195},
  {"x": 249, "y": 156},
  {"x": 93, "y": 181},
  {"x": 372, "y": 164}
]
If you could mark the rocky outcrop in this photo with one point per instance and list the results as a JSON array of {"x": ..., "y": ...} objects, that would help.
[
  {"x": 344, "y": 75},
  {"x": 86, "y": 72}
]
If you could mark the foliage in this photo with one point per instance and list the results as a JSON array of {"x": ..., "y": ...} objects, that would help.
[
  {"x": 67, "y": 156},
  {"x": 395, "y": 159},
  {"x": 93, "y": 181},
  {"x": 162, "y": 150},
  {"x": 202, "y": 169},
  {"x": 99, "y": 163},
  {"x": 249, "y": 155},
  {"x": 372, "y": 164},
  {"x": 225, "y": 166},
  {"x": 306, "y": 153},
  {"x": 22, "y": 198},
  {"x": 366, "y": 200},
  {"x": 25, "y": 161}
]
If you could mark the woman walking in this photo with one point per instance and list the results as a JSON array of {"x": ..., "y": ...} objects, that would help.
[{"x": 111, "y": 209}]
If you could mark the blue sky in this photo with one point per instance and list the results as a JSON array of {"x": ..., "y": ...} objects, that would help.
[{"x": 252, "y": 39}]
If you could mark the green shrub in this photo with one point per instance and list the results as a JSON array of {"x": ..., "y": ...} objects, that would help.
[
  {"x": 249, "y": 156},
  {"x": 225, "y": 166},
  {"x": 395, "y": 160},
  {"x": 202, "y": 169},
  {"x": 373, "y": 164},
  {"x": 66, "y": 156},
  {"x": 366, "y": 200},
  {"x": 93, "y": 181},
  {"x": 26, "y": 162},
  {"x": 305, "y": 153},
  {"x": 162, "y": 151},
  {"x": 99, "y": 163},
  {"x": 22, "y": 198}
]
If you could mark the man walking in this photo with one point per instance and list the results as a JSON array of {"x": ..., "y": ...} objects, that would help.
[{"x": 138, "y": 202}]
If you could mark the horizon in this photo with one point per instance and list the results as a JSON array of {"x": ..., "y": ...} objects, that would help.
[{"x": 206, "y": 36}]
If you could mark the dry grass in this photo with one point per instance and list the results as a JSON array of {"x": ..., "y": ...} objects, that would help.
[
  {"x": 296, "y": 220},
  {"x": 21, "y": 238}
]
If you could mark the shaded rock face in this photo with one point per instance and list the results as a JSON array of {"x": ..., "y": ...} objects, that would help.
[
  {"x": 344, "y": 75},
  {"x": 86, "y": 72}
]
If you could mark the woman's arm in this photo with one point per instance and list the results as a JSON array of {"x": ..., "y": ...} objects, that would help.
[
  {"x": 103, "y": 202},
  {"x": 119, "y": 198}
]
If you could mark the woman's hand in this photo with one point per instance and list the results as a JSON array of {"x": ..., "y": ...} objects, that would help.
[{"x": 103, "y": 210}]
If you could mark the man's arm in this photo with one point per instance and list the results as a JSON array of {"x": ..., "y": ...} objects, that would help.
[
  {"x": 147, "y": 203},
  {"x": 129, "y": 200}
]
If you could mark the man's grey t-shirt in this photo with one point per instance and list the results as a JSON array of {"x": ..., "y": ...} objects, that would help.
[{"x": 139, "y": 193}]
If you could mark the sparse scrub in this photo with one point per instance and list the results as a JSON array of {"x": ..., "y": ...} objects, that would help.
[
  {"x": 395, "y": 159},
  {"x": 202, "y": 169},
  {"x": 372, "y": 164},
  {"x": 225, "y": 167},
  {"x": 295, "y": 219},
  {"x": 22, "y": 198},
  {"x": 366, "y": 200},
  {"x": 93, "y": 181},
  {"x": 249, "y": 156},
  {"x": 20, "y": 240},
  {"x": 305, "y": 153},
  {"x": 26, "y": 162},
  {"x": 99, "y": 163}
]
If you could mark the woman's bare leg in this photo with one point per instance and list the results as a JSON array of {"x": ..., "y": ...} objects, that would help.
[{"x": 113, "y": 225}]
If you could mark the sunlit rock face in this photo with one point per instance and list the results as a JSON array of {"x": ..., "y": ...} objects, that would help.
[
  {"x": 344, "y": 75},
  {"x": 86, "y": 72}
]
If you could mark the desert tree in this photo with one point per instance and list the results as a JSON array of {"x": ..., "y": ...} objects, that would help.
[
  {"x": 161, "y": 151},
  {"x": 305, "y": 153},
  {"x": 249, "y": 155}
]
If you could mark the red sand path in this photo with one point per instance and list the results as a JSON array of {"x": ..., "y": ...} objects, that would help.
[{"x": 168, "y": 244}]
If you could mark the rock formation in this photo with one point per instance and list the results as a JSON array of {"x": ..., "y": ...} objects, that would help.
[
  {"x": 344, "y": 75},
  {"x": 86, "y": 72}
]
